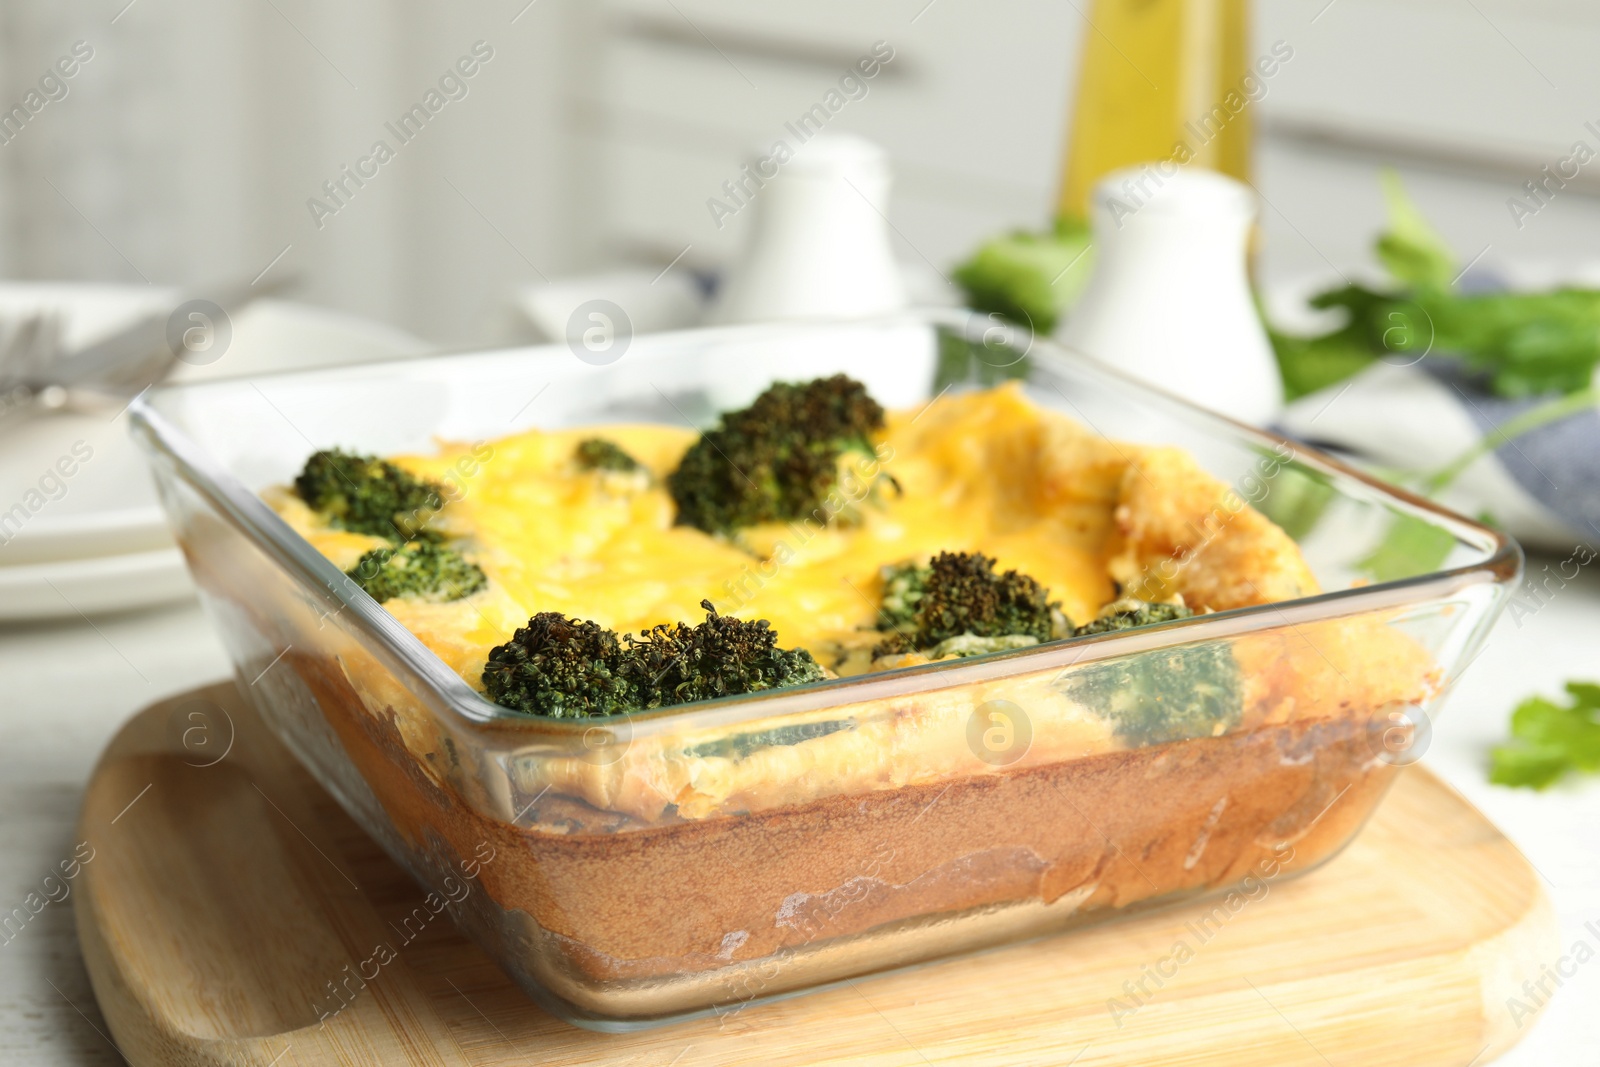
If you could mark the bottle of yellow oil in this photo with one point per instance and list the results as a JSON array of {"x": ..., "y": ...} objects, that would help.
[{"x": 1160, "y": 79}]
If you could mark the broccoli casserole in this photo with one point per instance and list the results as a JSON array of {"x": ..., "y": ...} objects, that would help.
[{"x": 596, "y": 573}]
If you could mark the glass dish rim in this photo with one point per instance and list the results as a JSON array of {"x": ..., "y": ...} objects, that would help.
[{"x": 251, "y": 516}]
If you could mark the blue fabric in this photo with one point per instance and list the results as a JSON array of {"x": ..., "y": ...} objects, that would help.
[{"x": 1558, "y": 464}]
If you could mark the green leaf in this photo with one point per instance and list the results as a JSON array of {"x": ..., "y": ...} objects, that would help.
[
  {"x": 1585, "y": 694},
  {"x": 1530, "y": 343},
  {"x": 1539, "y": 720},
  {"x": 1411, "y": 546},
  {"x": 1412, "y": 250},
  {"x": 1307, "y": 364},
  {"x": 1030, "y": 278},
  {"x": 1363, "y": 308},
  {"x": 1531, "y": 768},
  {"x": 1548, "y": 739},
  {"x": 1527, "y": 344}
]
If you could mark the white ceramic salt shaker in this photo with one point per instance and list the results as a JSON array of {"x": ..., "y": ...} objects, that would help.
[
  {"x": 818, "y": 245},
  {"x": 1169, "y": 301}
]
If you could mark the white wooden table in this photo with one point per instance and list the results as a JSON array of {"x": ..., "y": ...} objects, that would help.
[{"x": 68, "y": 686}]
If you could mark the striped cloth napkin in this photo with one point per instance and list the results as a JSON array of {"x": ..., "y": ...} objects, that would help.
[{"x": 1542, "y": 486}]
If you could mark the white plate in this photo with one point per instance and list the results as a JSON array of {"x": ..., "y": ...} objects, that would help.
[
  {"x": 653, "y": 301},
  {"x": 75, "y": 487},
  {"x": 66, "y": 589}
]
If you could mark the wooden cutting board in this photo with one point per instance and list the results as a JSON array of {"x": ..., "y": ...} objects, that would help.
[{"x": 227, "y": 891}]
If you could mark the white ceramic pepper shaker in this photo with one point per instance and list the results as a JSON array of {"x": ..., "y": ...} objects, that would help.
[
  {"x": 1170, "y": 301},
  {"x": 818, "y": 245}
]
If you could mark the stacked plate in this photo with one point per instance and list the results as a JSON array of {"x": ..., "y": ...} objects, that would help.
[{"x": 80, "y": 529}]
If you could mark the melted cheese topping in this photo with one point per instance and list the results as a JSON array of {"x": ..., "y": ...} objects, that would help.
[
  {"x": 985, "y": 471},
  {"x": 974, "y": 474}
]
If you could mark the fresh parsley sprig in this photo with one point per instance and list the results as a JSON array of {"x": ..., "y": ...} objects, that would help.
[
  {"x": 1549, "y": 740},
  {"x": 1526, "y": 344}
]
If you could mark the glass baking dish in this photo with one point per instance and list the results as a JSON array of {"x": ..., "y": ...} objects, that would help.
[{"x": 945, "y": 808}]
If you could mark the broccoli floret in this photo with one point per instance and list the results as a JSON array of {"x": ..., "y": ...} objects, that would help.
[
  {"x": 903, "y": 587},
  {"x": 776, "y": 460},
  {"x": 1164, "y": 695},
  {"x": 571, "y": 668},
  {"x": 1127, "y": 613},
  {"x": 368, "y": 495},
  {"x": 419, "y": 570},
  {"x": 962, "y": 596},
  {"x": 561, "y": 668},
  {"x": 966, "y": 596},
  {"x": 720, "y": 656},
  {"x": 598, "y": 454}
]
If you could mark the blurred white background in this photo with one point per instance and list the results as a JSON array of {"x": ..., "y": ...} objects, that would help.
[{"x": 186, "y": 149}]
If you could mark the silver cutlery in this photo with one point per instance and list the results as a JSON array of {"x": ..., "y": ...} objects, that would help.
[{"x": 38, "y": 377}]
